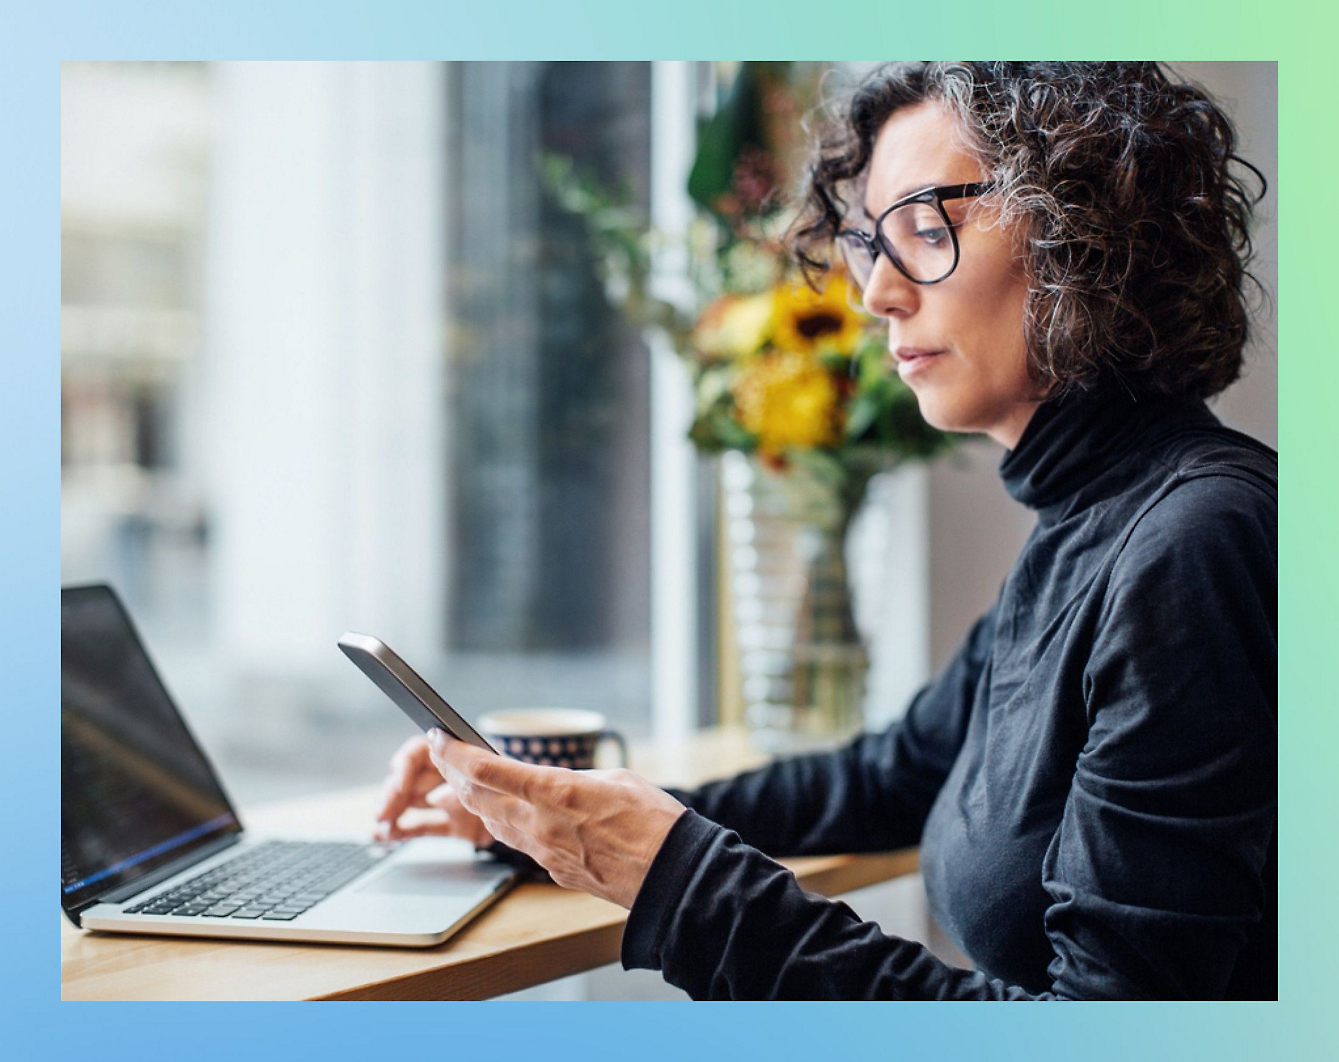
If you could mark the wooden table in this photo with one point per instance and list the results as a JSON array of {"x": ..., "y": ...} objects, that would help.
[{"x": 536, "y": 933}]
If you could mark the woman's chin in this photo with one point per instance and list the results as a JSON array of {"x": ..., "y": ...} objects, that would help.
[{"x": 940, "y": 414}]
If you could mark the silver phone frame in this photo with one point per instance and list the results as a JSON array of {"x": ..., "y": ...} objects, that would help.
[{"x": 410, "y": 693}]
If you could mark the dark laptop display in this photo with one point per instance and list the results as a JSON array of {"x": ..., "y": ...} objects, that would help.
[{"x": 136, "y": 790}]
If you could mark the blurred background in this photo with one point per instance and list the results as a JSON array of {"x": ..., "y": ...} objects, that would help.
[{"x": 333, "y": 358}]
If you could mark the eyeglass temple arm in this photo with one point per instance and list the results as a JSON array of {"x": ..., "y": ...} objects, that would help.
[
  {"x": 964, "y": 191},
  {"x": 948, "y": 191}
]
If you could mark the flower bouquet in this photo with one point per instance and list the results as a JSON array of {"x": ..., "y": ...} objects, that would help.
[{"x": 792, "y": 385}]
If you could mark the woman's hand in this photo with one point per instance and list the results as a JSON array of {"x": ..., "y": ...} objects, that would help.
[
  {"x": 596, "y": 831},
  {"x": 414, "y": 783}
]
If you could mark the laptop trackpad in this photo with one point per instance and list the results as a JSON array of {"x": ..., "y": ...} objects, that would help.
[{"x": 432, "y": 879}]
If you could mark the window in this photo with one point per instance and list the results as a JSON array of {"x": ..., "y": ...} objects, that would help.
[{"x": 332, "y": 359}]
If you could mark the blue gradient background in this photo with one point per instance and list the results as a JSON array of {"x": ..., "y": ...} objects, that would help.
[{"x": 34, "y": 40}]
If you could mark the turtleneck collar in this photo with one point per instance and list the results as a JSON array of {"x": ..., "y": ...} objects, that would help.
[{"x": 1071, "y": 440}]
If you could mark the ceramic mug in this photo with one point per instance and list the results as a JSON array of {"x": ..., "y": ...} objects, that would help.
[{"x": 551, "y": 737}]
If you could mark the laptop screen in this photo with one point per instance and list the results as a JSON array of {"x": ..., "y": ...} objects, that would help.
[{"x": 136, "y": 790}]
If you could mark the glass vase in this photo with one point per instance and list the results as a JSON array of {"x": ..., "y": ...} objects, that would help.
[{"x": 802, "y": 660}]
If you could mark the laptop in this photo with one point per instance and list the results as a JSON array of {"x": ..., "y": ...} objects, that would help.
[{"x": 150, "y": 843}]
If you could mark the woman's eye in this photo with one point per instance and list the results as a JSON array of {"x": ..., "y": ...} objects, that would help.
[{"x": 934, "y": 237}]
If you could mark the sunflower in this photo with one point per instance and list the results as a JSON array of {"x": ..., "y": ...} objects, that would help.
[
  {"x": 735, "y": 325},
  {"x": 788, "y": 399},
  {"x": 818, "y": 322}
]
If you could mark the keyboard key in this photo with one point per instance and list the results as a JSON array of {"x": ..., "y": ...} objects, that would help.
[
  {"x": 280, "y": 916},
  {"x": 273, "y": 875}
]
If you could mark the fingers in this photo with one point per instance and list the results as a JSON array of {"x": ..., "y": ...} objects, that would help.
[
  {"x": 521, "y": 804},
  {"x": 412, "y": 776},
  {"x": 498, "y": 815},
  {"x": 486, "y": 769},
  {"x": 446, "y": 817},
  {"x": 464, "y": 823},
  {"x": 597, "y": 831},
  {"x": 396, "y": 796},
  {"x": 412, "y": 749},
  {"x": 423, "y": 823},
  {"x": 416, "y": 782},
  {"x": 394, "y": 800},
  {"x": 507, "y": 830}
]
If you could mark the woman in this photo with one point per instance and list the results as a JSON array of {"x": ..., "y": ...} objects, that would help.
[{"x": 1059, "y": 253}]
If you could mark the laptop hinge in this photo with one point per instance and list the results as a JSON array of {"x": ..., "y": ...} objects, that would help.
[{"x": 176, "y": 866}]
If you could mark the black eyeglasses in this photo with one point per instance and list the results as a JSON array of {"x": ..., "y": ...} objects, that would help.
[{"x": 914, "y": 233}]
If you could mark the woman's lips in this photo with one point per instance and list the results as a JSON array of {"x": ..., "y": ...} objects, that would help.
[{"x": 912, "y": 360}]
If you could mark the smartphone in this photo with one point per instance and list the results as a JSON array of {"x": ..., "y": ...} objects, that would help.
[{"x": 402, "y": 684}]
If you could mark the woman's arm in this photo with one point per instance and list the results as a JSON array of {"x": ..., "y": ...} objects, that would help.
[
  {"x": 872, "y": 795},
  {"x": 1157, "y": 871}
]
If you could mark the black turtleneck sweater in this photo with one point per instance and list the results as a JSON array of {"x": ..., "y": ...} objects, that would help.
[{"x": 1092, "y": 779}]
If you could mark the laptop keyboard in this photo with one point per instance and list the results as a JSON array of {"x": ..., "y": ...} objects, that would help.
[{"x": 275, "y": 881}]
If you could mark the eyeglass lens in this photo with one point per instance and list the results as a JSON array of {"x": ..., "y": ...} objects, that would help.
[{"x": 918, "y": 235}]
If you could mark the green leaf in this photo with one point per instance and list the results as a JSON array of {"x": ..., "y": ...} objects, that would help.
[
  {"x": 732, "y": 434},
  {"x": 823, "y": 465},
  {"x": 863, "y": 411},
  {"x": 739, "y": 123}
]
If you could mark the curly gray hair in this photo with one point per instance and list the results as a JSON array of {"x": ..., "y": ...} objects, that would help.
[{"x": 1122, "y": 179}]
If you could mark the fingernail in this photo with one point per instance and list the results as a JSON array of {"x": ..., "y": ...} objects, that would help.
[{"x": 435, "y": 737}]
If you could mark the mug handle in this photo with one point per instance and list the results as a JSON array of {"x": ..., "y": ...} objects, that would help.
[{"x": 617, "y": 739}]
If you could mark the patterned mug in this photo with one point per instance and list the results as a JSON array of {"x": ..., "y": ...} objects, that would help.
[{"x": 551, "y": 737}]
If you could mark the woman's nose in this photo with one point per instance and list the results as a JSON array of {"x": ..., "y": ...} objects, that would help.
[{"x": 888, "y": 293}]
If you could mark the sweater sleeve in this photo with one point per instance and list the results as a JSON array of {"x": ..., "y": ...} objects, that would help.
[
  {"x": 872, "y": 795},
  {"x": 1155, "y": 872}
]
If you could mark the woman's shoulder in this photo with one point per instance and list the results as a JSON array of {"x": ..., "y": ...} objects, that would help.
[
  {"x": 1201, "y": 506},
  {"x": 1203, "y": 484},
  {"x": 1236, "y": 465},
  {"x": 1213, "y": 518}
]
